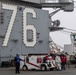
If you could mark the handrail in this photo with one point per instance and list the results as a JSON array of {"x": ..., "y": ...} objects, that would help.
[
  {"x": 56, "y": 1},
  {"x": 51, "y": 1}
]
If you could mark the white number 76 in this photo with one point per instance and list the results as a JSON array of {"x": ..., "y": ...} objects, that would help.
[
  {"x": 11, "y": 23},
  {"x": 25, "y": 25}
]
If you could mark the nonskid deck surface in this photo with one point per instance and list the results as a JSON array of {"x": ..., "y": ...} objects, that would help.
[{"x": 11, "y": 71}]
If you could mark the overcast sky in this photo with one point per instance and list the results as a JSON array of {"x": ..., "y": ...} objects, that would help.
[{"x": 68, "y": 20}]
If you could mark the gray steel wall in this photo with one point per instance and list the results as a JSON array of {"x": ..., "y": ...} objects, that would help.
[
  {"x": 19, "y": 2},
  {"x": 41, "y": 23}
]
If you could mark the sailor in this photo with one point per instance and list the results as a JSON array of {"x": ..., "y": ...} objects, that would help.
[{"x": 17, "y": 63}]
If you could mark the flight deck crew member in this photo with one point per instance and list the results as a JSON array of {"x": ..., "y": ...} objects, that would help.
[
  {"x": 67, "y": 60},
  {"x": 63, "y": 61},
  {"x": 17, "y": 63},
  {"x": 58, "y": 62}
]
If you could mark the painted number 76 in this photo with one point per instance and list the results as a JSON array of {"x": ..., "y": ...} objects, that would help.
[{"x": 25, "y": 25}]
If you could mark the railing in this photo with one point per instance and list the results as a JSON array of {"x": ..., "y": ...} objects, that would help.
[
  {"x": 57, "y": 1},
  {"x": 51, "y": 1}
]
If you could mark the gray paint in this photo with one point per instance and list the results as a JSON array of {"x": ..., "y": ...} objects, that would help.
[
  {"x": 69, "y": 49},
  {"x": 33, "y": 1},
  {"x": 23, "y": 3},
  {"x": 0, "y": 5},
  {"x": 15, "y": 44}
]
